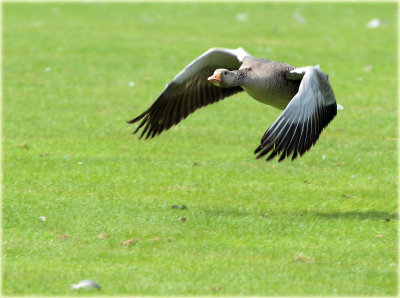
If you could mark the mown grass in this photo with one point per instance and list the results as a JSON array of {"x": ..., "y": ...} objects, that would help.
[{"x": 310, "y": 227}]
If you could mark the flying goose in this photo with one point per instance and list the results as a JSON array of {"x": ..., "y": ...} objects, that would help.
[{"x": 304, "y": 94}]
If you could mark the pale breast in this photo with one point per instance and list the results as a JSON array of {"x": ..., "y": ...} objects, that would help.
[{"x": 266, "y": 82}]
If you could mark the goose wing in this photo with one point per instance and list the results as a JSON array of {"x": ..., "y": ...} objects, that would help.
[
  {"x": 303, "y": 119},
  {"x": 189, "y": 91}
]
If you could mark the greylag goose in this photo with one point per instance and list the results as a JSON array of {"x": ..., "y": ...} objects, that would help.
[{"x": 304, "y": 94}]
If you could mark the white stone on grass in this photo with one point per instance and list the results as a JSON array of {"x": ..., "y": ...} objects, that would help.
[
  {"x": 374, "y": 23},
  {"x": 85, "y": 284}
]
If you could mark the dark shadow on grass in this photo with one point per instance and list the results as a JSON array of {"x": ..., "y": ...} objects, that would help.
[
  {"x": 371, "y": 214},
  {"x": 356, "y": 215}
]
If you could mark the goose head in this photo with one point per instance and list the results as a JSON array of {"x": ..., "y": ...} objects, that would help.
[{"x": 223, "y": 78}]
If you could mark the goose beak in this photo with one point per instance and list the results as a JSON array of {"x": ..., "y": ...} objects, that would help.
[{"x": 215, "y": 78}]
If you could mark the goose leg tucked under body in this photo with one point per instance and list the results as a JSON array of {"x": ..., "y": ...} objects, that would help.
[{"x": 304, "y": 94}]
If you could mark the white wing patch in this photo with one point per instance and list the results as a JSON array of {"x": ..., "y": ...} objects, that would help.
[
  {"x": 240, "y": 53},
  {"x": 226, "y": 58}
]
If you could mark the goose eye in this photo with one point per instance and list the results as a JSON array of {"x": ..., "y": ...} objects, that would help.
[{"x": 225, "y": 72}]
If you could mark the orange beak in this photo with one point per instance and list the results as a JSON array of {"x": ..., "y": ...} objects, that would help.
[{"x": 215, "y": 78}]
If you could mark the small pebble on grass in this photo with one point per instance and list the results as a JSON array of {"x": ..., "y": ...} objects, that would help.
[
  {"x": 178, "y": 207},
  {"x": 130, "y": 241},
  {"x": 103, "y": 236}
]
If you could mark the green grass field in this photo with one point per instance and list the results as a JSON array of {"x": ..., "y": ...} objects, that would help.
[{"x": 315, "y": 226}]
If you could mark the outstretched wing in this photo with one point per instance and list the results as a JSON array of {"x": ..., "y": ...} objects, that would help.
[
  {"x": 189, "y": 91},
  {"x": 303, "y": 119}
]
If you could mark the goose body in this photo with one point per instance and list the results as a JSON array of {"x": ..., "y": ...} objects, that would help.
[
  {"x": 266, "y": 81},
  {"x": 304, "y": 94}
]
